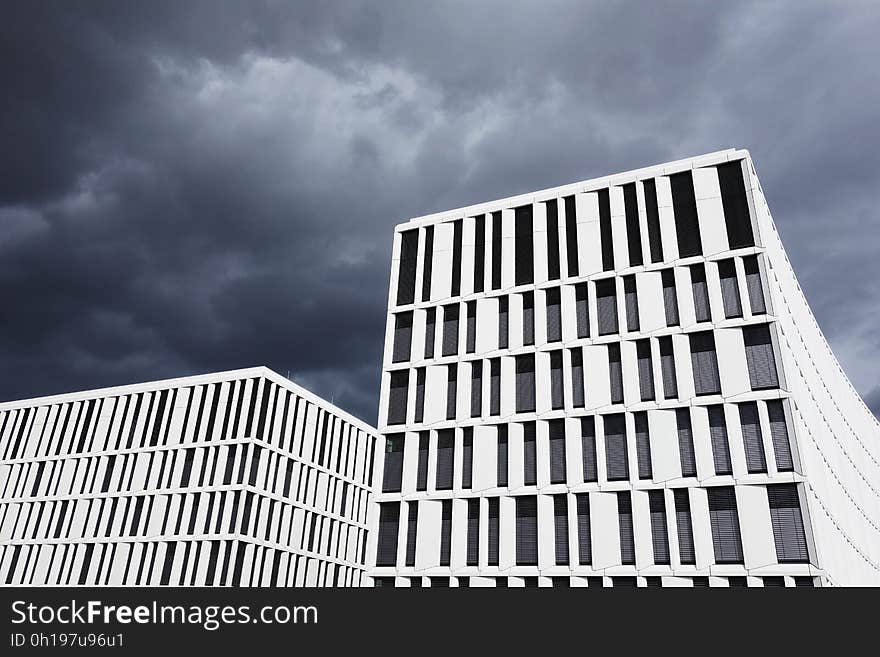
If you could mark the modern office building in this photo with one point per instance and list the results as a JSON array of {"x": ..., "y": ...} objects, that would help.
[
  {"x": 617, "y": 382},
  {"x": 231, "y": 479}
]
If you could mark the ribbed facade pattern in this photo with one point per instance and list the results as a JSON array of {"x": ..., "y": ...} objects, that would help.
[
  {"x": 234, "y": 479},
  {"x": 623, "y": 386}
]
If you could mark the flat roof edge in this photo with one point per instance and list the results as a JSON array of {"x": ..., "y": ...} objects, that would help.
[
  {"x": 185, "y": 381},
  {"x": 705, "y": 159}
]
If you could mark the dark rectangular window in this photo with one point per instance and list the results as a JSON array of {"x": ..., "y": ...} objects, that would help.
[
  {"x": 471, "y": 329},
  {"x": 788, "y": 524},
  {"x": 685, "y": 442},
  {"x": 736, "y": 205},
  {"x": 605, "y": 237},
  {"x": 503, "y": 322},
  {"x": 422, "y": 465},
  {"x": 779, "y": 435},
  {"x": 479, "y": 252},
  {"x": 552, "y": 241},
  {"x": 412, "y": 523},
  {"x": 445, "y": 531},
  {"x": 528, "y": 301},
  {"x": 406, "y": 278},
  {"x": 582, "y": 310},
  {"x": 729, "y": 289},
  {"x": 524, "y": 248},
  {"x": 585, "y": 542},
  {"x": 643, "y": 444},
  {"x": 560, "y": 528},
  {"x": 571, "y": 236},
  {"x": 625, "y": 525},
  {"x": 702, "y": 308},
  {"x": 753, "y": 439},
  {"x": 451, "y": 390},
  {"x": 646, "y": 369},
  {"x": 577, "y": 378},
  {"x": 615, "y": 373},
  {"x": 670, "y": 297},
  {"x": 187, "y": 467},
  {"x": 588, "y": 449},
  {"x": 725, "y": 525},
  {"x": 554, "y": 315},
  {"x": 420, "y": 395},
  {"x": 496, "y": 250},
  {"x": 495, "y": 386},
  {"x": 430, "y": 331},
  {"x": 667, "y": 368},
  {"x": 557, "y": 383},
  {"x": 397, "y": 395},
  {"x": 631, "y": 301},
  {"x": 445, "y": 458},
  {"x": 616, "y": 459},
  {"x": 389, "y": 521},
  {"x": 393, "y": 473},
  {"x": 501, "y": 460},
  {"x": 450, "y": 329},
  {"x": 759, "y": 357},
  {"x": 476, "y": 388},
  {"x": 720, "y": 443},
  {"x": 493, "y": 531},
  {"x": 403, "y": 323},
  {"x": 659, "y": 532},
  {"x": 704, "y": 362},
  {"x": 166, "y": 569},
  {"x": 633, "y": 230},
  {"x": 456, "y": 257},
  {"x": 652, "y": 214},
  {"x": 428, "y": 263},
  {"x": 684, "y": 206},
  {"x": 526, "y": 531},
  {"x": 525, "y": 383},
  {"x": 606, "y": 304},
  {"x": 530, "y": 455},
  {"x": 111, "y": 462},
  {"x": 467, "y": 457},
  {"x": 473, "y": 531},
  {"x": 753, "y": 285},
  {"x": 557, "y": 451},
  {"x": 684, "y": 528}
]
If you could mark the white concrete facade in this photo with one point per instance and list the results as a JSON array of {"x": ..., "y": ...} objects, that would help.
[
  {"x": 238, "y": 478},
  {"x": 617, "y": 382}
]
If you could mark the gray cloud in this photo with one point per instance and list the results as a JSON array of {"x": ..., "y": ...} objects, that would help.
[{"x": 201, "y": 186}]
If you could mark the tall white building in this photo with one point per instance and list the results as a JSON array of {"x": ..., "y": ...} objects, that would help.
[
  {"x": 617, "y": 382},
  {"x": 230, "y": 479}
]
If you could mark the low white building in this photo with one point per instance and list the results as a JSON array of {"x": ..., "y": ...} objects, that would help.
[
  {"x": 231, "y": 479},
  {"x": 617, "y": 382}
]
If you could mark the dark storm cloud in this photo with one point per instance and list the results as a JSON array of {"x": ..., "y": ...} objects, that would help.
[{"x": 189, "y": 187}]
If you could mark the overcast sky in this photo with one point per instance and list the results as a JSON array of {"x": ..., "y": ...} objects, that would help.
[{"x": 188, "y": 187}]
